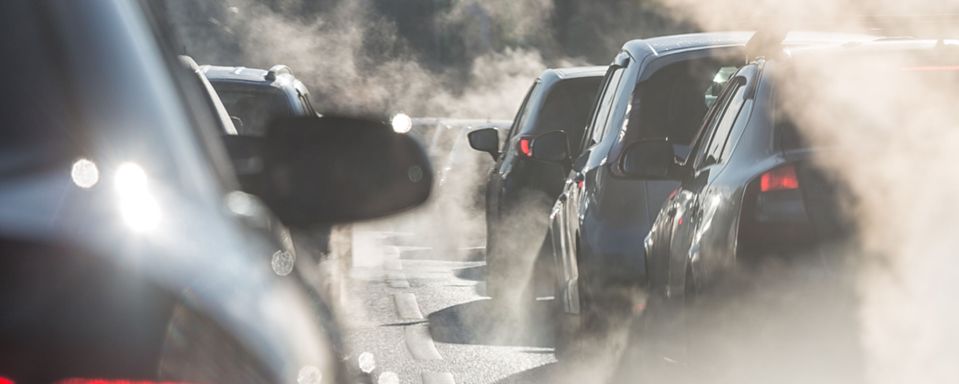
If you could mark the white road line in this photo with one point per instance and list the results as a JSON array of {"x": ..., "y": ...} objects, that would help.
[
  {"x": 407, "y": 307},
  {"x": 420, "y": 343},
  {"x": 438, "y": 378}
]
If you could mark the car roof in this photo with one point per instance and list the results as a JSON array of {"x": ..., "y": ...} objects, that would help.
[
  {"x": 578, "y": 72},
  {"x": 665, "y": 45},
  {"x": 256, "y": 75},
  {"x": 279, "y": 76},
  {"x": 553, "y": 76}
]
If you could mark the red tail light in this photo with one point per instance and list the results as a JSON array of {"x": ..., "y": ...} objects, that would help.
[
  {"x": 4, "y": 380},
  {"x": 524, "y": 147},
  {"x": 779, "y": 179}
]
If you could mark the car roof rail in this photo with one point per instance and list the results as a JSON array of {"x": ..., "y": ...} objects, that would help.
[{"x": 277, "y": 70}]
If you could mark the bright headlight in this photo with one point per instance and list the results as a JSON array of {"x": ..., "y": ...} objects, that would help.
[
  {"x": 402, "y": 123},
  {"x": 138, "y": 206}
]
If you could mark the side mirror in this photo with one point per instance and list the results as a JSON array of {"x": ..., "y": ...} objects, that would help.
[
  {"x": 336, "y": 169},
  {"x": 648, "y": 159},
  {"x": 551, "y": 146},
  {"x": 485, "y": 140}
]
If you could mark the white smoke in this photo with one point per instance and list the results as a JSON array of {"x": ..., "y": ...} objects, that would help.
[{"x": 895, "y": 140}]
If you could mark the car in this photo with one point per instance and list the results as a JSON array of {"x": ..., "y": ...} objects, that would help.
[
  {"x": 254, "y": 97},
  {"x": 129, "y": 253},
  {"x": 520, "y": 189},
  {"x": 305, "y": 270},
  {"x": 657, "y": 87},
  {"x": 451, "y": 225},
  {"x": 760, "y": 190}
]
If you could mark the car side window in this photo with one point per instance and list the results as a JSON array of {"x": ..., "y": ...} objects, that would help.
[
  {"x": 600, "y": 120},
  {"x": 725, "y": 125},
  {"x": 707, "y": 134}
]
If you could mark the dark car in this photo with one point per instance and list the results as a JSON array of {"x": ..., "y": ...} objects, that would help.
[
  {"x": 257, "y": 96},
  {"x": 754, "y": 194},
  {"x": 659, "y": 87},
  {"x": 521, "y": 189},
  {"x": 254, "y": 97},
  {"x": 128, "y": 249}
]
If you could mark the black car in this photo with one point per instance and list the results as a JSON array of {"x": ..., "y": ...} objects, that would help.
[
  {"x": 521, "y": 189},
  {"x": 254, "y": 97},
  {"x": 128, "y": 249},
  {"x": 762, "y": 189},
  {"x": 659, "y": 87}
]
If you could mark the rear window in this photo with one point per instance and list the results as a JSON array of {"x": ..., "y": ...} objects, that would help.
[
  {"x": 674, "y": 101},
  {"x": 255, "y": 106},
  {"x": 566, "y": 108}
]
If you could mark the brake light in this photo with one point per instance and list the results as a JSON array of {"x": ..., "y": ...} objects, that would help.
[
  {"x": 524, "y": 147},
  {"x": 779, "y": 179},
  {"x": 4, "y": 380}
]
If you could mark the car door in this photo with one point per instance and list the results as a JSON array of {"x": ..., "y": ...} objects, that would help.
[
  {"x": 565, "y": 220},
  {"x": 695, "y": 204}
]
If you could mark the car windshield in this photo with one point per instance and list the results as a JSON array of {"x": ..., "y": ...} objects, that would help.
[
  {"x": 254, "y": 106},
  {"x": 567, "y": 107}
]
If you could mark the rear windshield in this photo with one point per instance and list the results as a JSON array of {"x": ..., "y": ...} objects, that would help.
[
  {"x": 254, "y": 106},
  {"x": 674, "y": 101},
  {"x": 566, "y": 108}
]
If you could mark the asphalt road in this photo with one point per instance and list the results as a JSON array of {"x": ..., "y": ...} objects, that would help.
[{"x": 421, "y": 312}]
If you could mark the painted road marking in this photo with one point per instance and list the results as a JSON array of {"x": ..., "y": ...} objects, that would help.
[
  {"x": 438, "y": 378},
  {"x": 420, "y": 343},
  {"x": 407, "y": 307}
]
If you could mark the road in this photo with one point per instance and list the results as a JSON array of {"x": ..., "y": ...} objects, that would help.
[{"x": 422, "y": 314}]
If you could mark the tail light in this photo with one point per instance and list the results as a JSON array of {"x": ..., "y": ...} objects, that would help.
[
  {"x": 774, "y": 215},
  {"x": 779, "y": 179},
  {"x": 524, "y": 147}
]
